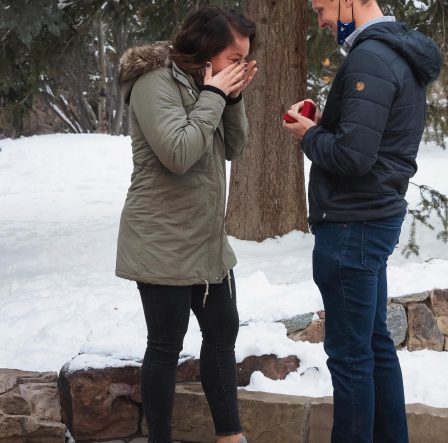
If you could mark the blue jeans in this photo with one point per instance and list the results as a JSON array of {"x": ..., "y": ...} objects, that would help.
[{"x": 349, "y": 267}]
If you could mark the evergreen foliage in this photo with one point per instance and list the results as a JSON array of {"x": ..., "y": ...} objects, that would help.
[
  {"x": 64, "y": 54},
  {"x": 29, "y": 32},
  {"x": 430, "y": 201},
  {"x": 50, "y": 50}
]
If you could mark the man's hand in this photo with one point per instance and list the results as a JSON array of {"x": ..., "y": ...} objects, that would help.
[{"x": 302, "y": 124}]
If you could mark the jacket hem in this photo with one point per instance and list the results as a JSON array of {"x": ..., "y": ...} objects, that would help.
[
  {"x": 170, "y": 281},
  {"x": 357, "y": 215}
]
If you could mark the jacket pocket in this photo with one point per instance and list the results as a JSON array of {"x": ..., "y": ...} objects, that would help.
[{"x": 184, "y": 201}]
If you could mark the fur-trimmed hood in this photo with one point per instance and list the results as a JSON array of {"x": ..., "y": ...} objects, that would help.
[{"x": 140, "y": 60}]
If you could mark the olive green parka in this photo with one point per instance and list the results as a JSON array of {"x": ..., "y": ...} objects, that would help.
[{"x": 172, "y": 224}]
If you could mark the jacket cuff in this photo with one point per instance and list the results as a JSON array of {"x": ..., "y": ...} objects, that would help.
[
  {"x": 307, "y": 140},
  {"x": 215, "y": 90},
  {"x": 234, "y": 100}
]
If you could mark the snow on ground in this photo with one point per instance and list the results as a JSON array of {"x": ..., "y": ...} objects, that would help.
[{"x": 60, "y": 202}]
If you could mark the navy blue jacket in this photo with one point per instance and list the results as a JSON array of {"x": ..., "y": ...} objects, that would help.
[{"x": 364, "y": 150}]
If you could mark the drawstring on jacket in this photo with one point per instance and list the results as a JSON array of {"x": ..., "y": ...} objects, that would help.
[
  {"x": 229, "y": 278},
  {"x": 207, "y": 285}
]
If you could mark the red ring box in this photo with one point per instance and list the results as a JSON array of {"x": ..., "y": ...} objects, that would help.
[
  {"x": 288, "y": 118},
  {"x": 308, "y": 110}
]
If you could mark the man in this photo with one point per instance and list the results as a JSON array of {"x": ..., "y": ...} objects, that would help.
[{"x": 363, "y": 152}]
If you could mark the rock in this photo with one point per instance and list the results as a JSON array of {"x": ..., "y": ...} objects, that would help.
[
  {"x": 270, "y": 365},
  {"x": 9, "y": 378},
  {"x": 27, "y": 429},
  {"x": 315, "y": 333},
  {"x": 297, "y": 323},
  {"x": 412, "y": 298},
  {"x": 427, "y": 424},
  {"x": 192, "y": 420},
  {"x": 439, "y": 302},
  {"x": 423, "y": 330},
  {"x": 101, "y": 403},
  {"x": 30, "y": 410},
  {"x": 321, "y": 314},
  {"x": 446, "y": 344},
  {"x": 266, "y": 418},
  {"x": 269, "y": 418},
  {"x": 106, "y": 403},
  {"x": 397, "y": 323},
  {"x": 442, "y": 323},
  {"x": 188, "y": 371},
  {"x": 321, "y": 419}
]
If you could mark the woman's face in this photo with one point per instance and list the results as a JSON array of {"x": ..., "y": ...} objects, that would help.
[{"x": 236, "y": 52}]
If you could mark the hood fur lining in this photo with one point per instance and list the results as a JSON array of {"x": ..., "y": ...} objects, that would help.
[{"x": 138, "y": 61}]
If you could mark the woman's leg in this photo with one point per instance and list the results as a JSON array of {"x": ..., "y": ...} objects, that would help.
[
  {"x": 219, "y": 324},
  {"x": 167, "y": 312}
]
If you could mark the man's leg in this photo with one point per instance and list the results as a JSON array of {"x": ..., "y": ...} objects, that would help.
[
  {"x": 349, "y": 293},
  {"x": 390, "y": 414}
]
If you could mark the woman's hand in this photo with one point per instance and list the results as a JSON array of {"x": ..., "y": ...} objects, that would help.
[
  {"x": 249, "y": 73},
  {"x": 228, "y": 80}
]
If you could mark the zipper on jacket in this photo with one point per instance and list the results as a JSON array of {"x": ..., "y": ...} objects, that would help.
[
  {"x": 215, "y": 216},
  {"x": 190, "y": 91}
]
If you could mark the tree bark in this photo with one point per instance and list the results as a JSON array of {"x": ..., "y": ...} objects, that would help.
[
  {"x": 102, "y": 113},
  {"x": 121, "y": 42},
  {"x": 267, "y": 187}
]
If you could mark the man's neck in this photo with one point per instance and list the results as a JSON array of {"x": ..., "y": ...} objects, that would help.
[{"x": 366, "y": 13}]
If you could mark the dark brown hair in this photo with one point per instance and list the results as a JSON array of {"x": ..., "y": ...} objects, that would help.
[{"x": 206, "y": 33}]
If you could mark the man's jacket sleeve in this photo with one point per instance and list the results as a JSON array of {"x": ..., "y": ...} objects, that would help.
[{"x": 368, "y": 88}]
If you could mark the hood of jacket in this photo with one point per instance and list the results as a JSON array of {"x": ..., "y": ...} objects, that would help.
[
  {"x": 421, "y": 53},
  {"x": 138, "y": 61}
]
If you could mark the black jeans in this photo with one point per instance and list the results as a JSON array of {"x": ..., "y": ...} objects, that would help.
[{"x": 167, "y": 312}]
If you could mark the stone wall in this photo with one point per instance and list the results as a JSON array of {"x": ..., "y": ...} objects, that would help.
[
  {"x": 30, "y": 409},
  {"x": 417, "y": 321},
  {"x": 269, "y": 418},
  {"x": 105, "y": 405}
]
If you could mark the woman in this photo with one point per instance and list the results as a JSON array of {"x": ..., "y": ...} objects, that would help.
[{"x": 187, "y": 117}]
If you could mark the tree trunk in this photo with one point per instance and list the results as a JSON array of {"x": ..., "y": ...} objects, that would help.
[
  {"x": 121, "y": 41},
  {"x": 102, "y": 114},
  {"x": 267, "y": 186}
]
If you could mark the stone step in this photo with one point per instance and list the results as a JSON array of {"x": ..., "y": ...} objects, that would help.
[{"x": 135, "y": 440}]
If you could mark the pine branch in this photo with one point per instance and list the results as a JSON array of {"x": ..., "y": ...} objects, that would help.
[{"x": 431, "y": 201}]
